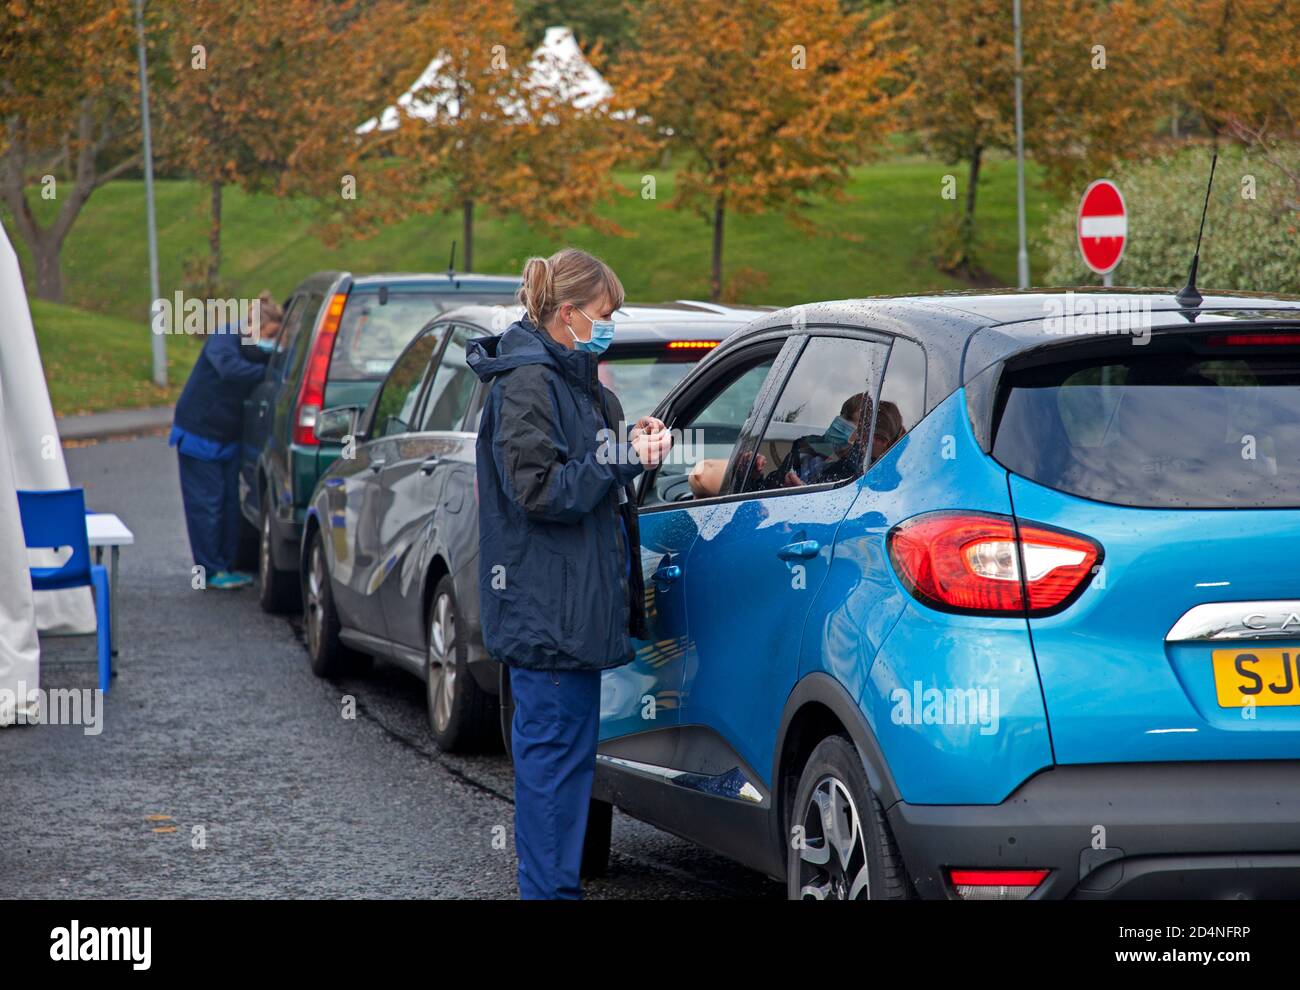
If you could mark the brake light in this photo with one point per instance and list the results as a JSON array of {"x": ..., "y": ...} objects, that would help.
[
  {"x": 688, "y": 345},
  {"x": 996, "y": 885},
  {"x": 1255, "y": 340},
  {"x": 971, "y": 562},
  {"x": 312, "y": 394}
]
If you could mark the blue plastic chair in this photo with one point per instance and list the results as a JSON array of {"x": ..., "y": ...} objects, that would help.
[{"x": 54, "y": 519}]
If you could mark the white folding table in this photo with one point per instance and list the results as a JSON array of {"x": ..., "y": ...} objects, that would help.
[{"x": 104, "y": 529}]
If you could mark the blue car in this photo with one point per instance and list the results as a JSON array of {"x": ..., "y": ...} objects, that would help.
[{"x": 978, "y": 597}]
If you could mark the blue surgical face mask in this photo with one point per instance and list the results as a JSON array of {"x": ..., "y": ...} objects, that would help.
[
  {"x": 839, "y": 431},
  {"x": 266, "y": 345},
  {"x": 602, "y": 332}
]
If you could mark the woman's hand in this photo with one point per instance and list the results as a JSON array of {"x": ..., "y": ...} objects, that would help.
[
  {"x": 651, "y": 447},
  {"x": 648, "y": 424}
]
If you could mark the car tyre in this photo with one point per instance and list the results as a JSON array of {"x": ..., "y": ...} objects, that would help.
[
  {"x": 841, "y": 846},
  {"x": 329, "y": 655},
  {"x": 278, "y": 590},
  {"x": 462, "y": 716}
]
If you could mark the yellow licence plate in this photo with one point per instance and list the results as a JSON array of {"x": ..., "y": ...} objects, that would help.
[{"x": 1261, "y": 677}]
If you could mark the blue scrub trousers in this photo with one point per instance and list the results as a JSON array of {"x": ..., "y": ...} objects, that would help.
[
  {"x": 553, "y": 738},
  {"x": 210, "y": 492}
]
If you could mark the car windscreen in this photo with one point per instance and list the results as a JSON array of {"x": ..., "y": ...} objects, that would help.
[
  {"x": 642, "y": 375},
  {"x": 376, "y": 327},
  {"x": 1200, "y": 427}
]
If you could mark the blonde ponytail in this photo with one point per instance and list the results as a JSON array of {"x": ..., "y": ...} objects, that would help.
[{"x": 568, "y": 276}]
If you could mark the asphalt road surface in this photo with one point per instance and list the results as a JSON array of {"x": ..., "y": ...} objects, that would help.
[{"x": 224, "y": 768}]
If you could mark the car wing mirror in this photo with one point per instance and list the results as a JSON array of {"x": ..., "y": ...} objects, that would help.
[{"x": 338, "y": 423}]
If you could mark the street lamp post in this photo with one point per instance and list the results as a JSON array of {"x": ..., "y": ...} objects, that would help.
[{"x": 159, "y": 343}]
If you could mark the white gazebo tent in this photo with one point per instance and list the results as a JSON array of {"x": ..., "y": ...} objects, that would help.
[
  {"x": 557, "y": 66},
  {"x": 30, "y": 458}
]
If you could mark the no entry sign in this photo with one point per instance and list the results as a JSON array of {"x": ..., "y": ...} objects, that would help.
[{"x": 1102, "y": 226}]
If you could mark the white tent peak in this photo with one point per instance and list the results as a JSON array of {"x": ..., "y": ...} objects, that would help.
[{"x": 557, "y": 66}]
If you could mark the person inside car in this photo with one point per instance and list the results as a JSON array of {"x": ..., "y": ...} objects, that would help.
[
  {"x": 847, "y": 462},
  {"x": 835, "y": 454},
  {"x": 206, "y": 432},
  {"x": 559, "y": 554}
]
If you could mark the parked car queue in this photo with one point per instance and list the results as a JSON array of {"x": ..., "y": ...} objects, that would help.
[{"x": 948, "y": 589}]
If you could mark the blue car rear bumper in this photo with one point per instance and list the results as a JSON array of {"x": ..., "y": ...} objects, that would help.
[{"x": 1225, "y": 829}]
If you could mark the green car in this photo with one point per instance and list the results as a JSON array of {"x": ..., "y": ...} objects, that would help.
[{"x": 341, "y": 334}]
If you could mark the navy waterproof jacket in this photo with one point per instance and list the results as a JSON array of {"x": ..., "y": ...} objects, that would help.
[
  {"x": 554, "y": 480},
  {"x": 212, "y": 403}
]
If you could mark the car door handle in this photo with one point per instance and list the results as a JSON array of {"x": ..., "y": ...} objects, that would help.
[
  {"x": 666, "y": 575},
  {"x": 429, "y": 463},
  {"x": 799, "y": 551},
  {"x": 377, "y": 464}
]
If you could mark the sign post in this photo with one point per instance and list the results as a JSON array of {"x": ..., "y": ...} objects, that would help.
[{"x": 1102, "y": 228}]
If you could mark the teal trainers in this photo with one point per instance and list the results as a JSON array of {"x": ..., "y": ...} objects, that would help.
[{"x": 229, "y": 581}]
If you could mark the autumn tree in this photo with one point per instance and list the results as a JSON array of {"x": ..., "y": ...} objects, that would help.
[
  {"x": 68, "y": 116},
  {"x": 1090, "y": 90},
  {"x": 961, "y": 60},
  {"x": 773, "y": 100},
  {"x": 1093, "y": 93},
  {"x": 482, "y": 126},
  {"x": 1234, "y": 61},
  {"x": 1235, "y": 64},
  {"x": 251, "y": 82}
]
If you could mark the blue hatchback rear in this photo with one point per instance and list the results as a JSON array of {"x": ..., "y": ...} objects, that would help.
[{"x": 990, "y": 603}]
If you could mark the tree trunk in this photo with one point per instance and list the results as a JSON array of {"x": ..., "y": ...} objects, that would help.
[
  {"x": 715, "y": 283},
  {"x": 968, "y": 215},
  {"x": 467, "y": 235},
  {"x": 214, "y": 241},
  {"x": 46, "y": 253}
]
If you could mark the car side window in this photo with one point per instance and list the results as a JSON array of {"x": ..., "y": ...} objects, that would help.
[
  {"x": 400, "y": 392},
  {"x": 902, "y": 397},
  {"x": 308, "y": 307},
  {"x": 817, "y": 433},
  {"x": 452, "y": 385},
  {"x": 284, "y": 341},
  {"x": 708, "y": 437}
]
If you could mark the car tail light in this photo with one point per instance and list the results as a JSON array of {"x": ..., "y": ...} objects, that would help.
[
  {"x": 312, "y": 394},
  {"x": 691, "y": 345},
  {"x": 971, "y": 562},
  {"x": 996, "y": 885},
  {"x": 1255, "y": 340}
]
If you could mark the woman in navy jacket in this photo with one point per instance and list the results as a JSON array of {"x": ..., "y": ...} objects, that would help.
[
  {"x": 559, "y": 569},
  {"x": 206, "y": 431}
]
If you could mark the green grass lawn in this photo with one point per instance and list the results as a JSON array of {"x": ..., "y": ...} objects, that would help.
[
  {"x": 881, "y": 241},
  {"x": 94, "y": 361}
]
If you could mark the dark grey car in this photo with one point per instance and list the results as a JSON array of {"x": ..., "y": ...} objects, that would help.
[{"x": 390, "y": 539}]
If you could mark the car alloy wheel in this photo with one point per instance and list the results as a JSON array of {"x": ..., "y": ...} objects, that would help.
[
  {"x": 441, "y": 683},
  {"x": 315, "y": 610},
  {"x": 833, "y": 863}
]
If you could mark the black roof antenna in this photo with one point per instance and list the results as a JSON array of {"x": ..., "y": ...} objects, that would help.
[
  {"x": 451, "y": 264},
  {"x": 1188, "y": 296}
]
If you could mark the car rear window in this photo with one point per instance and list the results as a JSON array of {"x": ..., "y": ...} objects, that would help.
[
  {"x": 376, "y": 327},
  {"x": 1214, "y": 428},
  {"x": 641, "y": 376}
]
